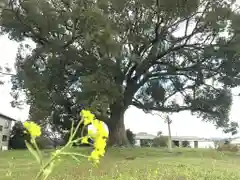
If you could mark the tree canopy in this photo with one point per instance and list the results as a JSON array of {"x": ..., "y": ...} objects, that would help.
[{"x": 161, "y": 55}]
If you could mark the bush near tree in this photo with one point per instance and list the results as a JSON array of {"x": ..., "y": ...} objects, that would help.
[
  {"x": 161, "y": 141},
  {"x": 185, "y": 144},
  {"x": 18, "y": 137},
  {"x": 228, "y": 147},
  {"x": 130, "y": 136},
  {"x": 146, "y": 143}
]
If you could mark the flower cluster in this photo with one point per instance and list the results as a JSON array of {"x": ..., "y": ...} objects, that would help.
[
  {"x": 99, "y": 137},
  {"x": 33, "y": 129},
  {"x": 87, "y": 116}
]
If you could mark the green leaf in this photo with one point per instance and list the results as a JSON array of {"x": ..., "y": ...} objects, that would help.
[{"x": 33, "y": 152}]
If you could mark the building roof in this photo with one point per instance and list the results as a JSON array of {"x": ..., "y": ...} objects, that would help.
[
  {"x": 143, "y": 135},
  {"x": 7, "y": 117},
  {"x": 189, "y": 138},
  {"x": 233, "y": 139}
]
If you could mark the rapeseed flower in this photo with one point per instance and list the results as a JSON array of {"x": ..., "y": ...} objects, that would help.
[
  {"x": 99, "y": 137},
  {"x": 100, "y": 143},
  {"x": 33, "y": 129},
  {"x": 87, "y": 116},
  {"x": 91, "y": 133},
  {"x": 99, "y": 126},
  {"x": 84, "y": 140},
  {"x": 94, "y": 156}
]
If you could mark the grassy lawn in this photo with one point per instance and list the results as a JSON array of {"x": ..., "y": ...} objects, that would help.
[{"x": 149, "y": 164}]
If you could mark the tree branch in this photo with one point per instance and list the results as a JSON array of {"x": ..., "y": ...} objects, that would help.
[
  {"x": 41, "y": 40},
  {"x": 170, "y": 109},
  {"x": 8, "y": 74},
  {"x": 74, "y": 37}
]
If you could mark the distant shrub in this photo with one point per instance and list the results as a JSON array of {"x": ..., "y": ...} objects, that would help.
[
  {"x": 228, "y": 147},
  {"x": 185, "y": 144},
  {"x": 146, "y": 142},
  {"x": 161, "y": 141},
  {"x": 44, "y": 143},
  {"x": 130, "y": 136},
  {"x": 18, "y": 137}
]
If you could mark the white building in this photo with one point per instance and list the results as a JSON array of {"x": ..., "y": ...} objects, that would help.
[
  {"x": 235, "y": 141},
  {"x": 194, "y": 142},
  {"x": 5, "y": 130},
  {"x": 143, "y": 136}
]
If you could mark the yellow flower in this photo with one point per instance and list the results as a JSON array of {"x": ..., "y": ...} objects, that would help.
[
  {"x": 101, "y": 152},
  {"x": 87, "y": 116},
  {"x": 100, "y": 143},
  {"x": 103, "y": 132},
  {"x": 84, "y": 140},
  {"x": 99, "y": 126},
  {"x": 94, "y": 155},
  {"x": 98, "y": 136},
  {"x": 91, "y": 133},
  {"x": 33, "y": 129}
]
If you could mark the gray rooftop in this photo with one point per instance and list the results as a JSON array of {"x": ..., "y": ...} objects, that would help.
[
  {"x": 144, "y": 135},
  {"x": 189, "y": 138},
  {"x": 7, "y": 117}
]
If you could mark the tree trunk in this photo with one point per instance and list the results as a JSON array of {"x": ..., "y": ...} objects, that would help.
[{"x": 117, "y": 132}]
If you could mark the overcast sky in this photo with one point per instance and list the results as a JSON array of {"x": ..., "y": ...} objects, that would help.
[{"x": 184, "y": 124}]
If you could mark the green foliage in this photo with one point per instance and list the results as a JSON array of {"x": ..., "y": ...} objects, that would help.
[
  {"x": 161, "y": 141},
  {"x": 185, "y": 144},
  {"x": 146, "y": 143},
  {"x": 18, "y": 137},
  {"x": 159, "y": 133},
  {"x": 228, "y": 147},
  {"x": 232, "y": 128},
  {"x": 108, "y": 54},
  {"x": 78, "y": 135},
  {"x": 44, "y": 143},
  {"x": 130, "y": 136}
]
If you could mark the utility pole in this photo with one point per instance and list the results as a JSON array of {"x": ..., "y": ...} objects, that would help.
[{"x": 169, "y": 121}]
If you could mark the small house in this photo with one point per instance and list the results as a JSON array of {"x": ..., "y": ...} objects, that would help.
[
  {"x": 5, "y": 131},
  {"x": 235, "y": 141},
  {"x": 143, "y": 137},
  {"x": 178, "y": 141},
  {"x": 192, "y": 141}
]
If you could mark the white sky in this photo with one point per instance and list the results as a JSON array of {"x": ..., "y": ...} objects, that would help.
[{"x": 184, "y": 124}]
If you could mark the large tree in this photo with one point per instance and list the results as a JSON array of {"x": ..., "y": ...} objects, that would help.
[{"x": 163, "y": 55}]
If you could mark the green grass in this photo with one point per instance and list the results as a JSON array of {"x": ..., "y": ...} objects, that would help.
[{"x": 149, "y": 164}]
